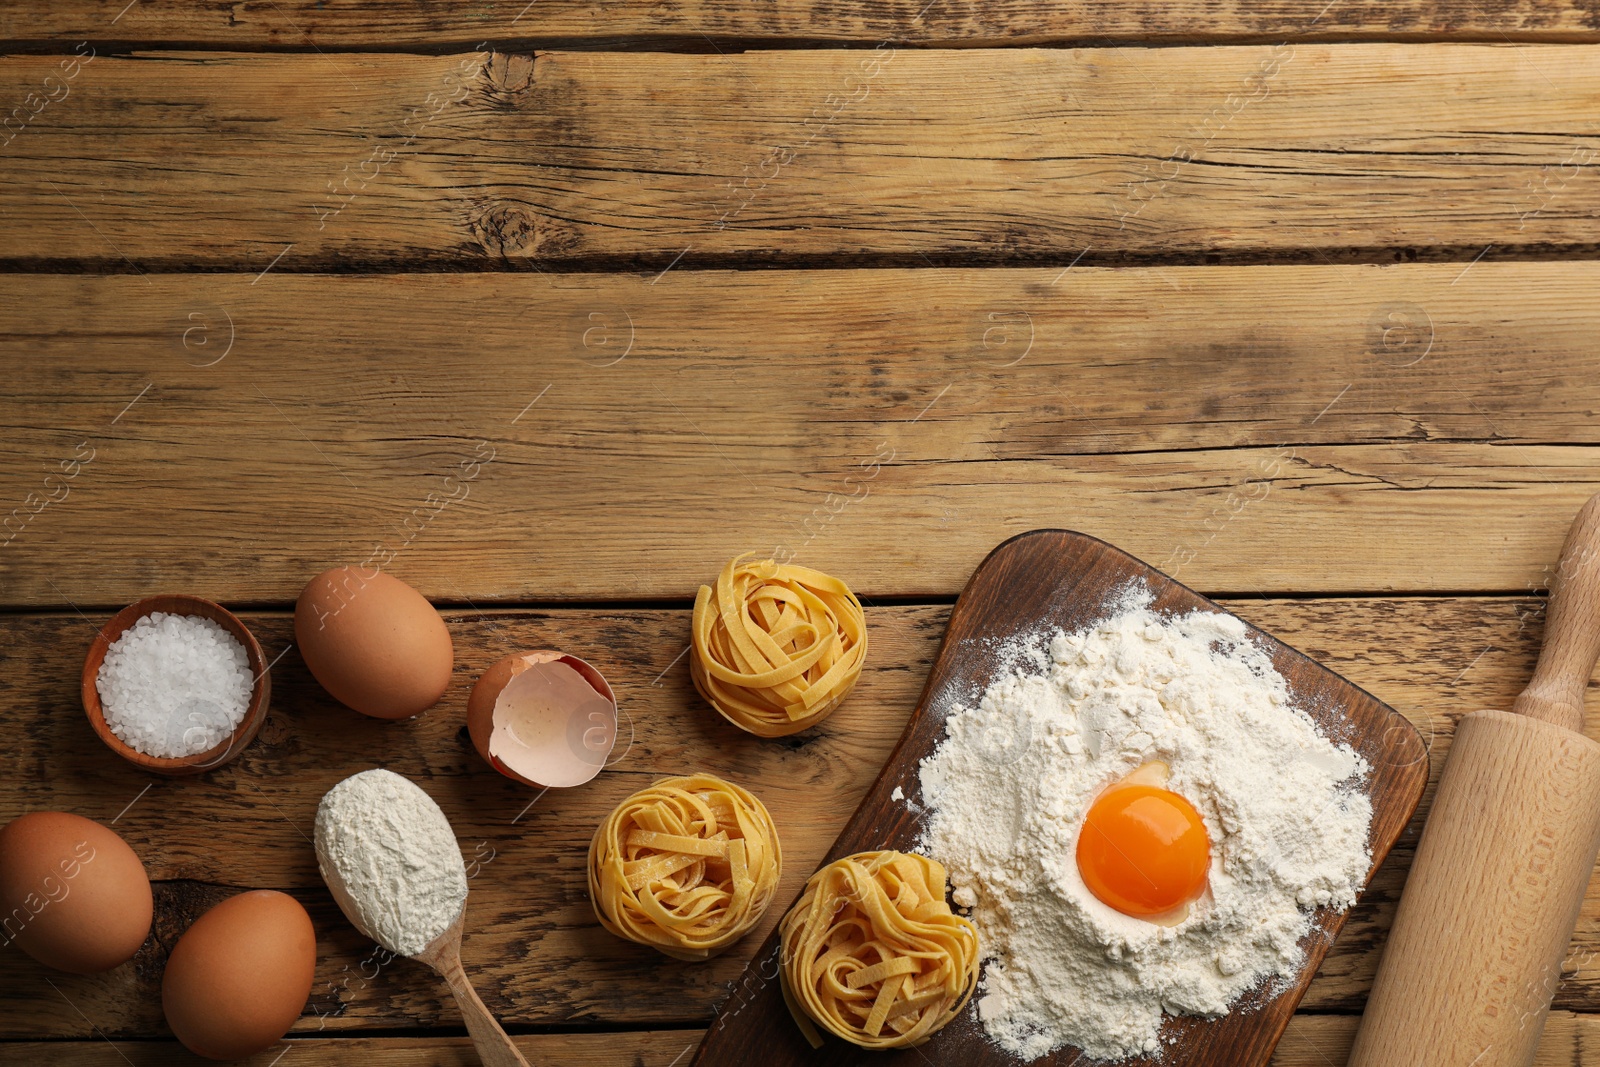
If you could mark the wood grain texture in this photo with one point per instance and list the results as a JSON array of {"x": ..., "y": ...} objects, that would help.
[
  {"x": 1498, "y": 880},
  {"x": 1249, "y": 427},
  {"x": 1398, "y": 430},
  {"x": 1476, "y": 948},
  {"x": 494, "y": 1046},
  {"x": 307, "y": 24},
  {"x": 401, "y": 161},
  {"x": 536, "y": 953},
  {"x": 1068, "y": 581},
  {"x": 1572, "y": 630},
  {"x": 1570, "y": 1040},
  {"x": 1322, "y": 1041},
  {"x": 633, "y": 1049}
]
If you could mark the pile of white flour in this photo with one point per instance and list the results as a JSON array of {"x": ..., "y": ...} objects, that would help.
[
  {"x": 1008, "y": 789},
  {"x": 388, "y": 854}
]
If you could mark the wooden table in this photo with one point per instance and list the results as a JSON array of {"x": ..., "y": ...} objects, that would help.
[{"x": 1294, "y": 306}]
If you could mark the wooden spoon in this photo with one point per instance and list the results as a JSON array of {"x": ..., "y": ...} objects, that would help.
[{"x": 443, "y": 954}]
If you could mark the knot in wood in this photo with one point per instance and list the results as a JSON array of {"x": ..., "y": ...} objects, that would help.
[
  {"x": 507, "y": 77},
  {"x": 506, "y": 229}
]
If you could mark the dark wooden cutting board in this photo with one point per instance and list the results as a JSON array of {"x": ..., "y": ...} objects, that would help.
[{"x": 1057, "y": 578}]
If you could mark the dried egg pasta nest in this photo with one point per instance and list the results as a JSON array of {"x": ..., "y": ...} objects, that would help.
[
  {"x": 686, "y": 866},
  {"x": 775, "y": 647},
  {"x": 872, "y": 953}
]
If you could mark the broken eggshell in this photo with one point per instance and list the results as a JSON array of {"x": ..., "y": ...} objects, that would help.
[{"x": 545, "y": 719}]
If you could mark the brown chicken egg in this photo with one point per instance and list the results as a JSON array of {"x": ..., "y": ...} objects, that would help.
[
  {"x": 543, "y": 719},
  {"x": 240, "y": 976},
  {"x": 74, "y": 895},
  {"x": 374, "y": 643}
]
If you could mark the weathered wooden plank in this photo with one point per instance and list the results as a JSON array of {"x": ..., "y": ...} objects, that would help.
[
  {"x": 532, "y": 940},
  {"x": 1201, "y": 418},
  {"x": 304, "y": 24},
  {"x": 1320, "y": 1041},
  {"x": 1311, "y": 1041},
  {"x": 635, "y": 1049},
  {"x": 404, "y": 160}
]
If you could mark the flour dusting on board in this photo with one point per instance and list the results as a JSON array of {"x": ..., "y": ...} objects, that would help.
[{"x": 1010, "y": 785}]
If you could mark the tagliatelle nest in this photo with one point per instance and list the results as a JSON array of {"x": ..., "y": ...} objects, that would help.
[
  {"x": 873, "y": 953},
  {"x": 776, "y": 648},
  {"x": 686, "y": 866}
]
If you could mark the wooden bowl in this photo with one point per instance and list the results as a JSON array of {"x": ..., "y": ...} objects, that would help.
[{"x": 178, "y": 604}]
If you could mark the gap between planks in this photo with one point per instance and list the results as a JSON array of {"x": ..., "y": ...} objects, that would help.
[{"x": 600, "y": 265}]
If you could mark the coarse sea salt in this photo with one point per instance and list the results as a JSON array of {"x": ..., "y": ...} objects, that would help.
[{"x": 174, "y": 685}]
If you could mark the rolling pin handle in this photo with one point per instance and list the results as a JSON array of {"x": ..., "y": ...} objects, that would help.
[{"x": 1572, "y": 628}]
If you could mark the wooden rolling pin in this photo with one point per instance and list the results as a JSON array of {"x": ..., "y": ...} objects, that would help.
[{"x": 1475, "y": 953}]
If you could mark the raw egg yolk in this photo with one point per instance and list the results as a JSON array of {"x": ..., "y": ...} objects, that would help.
[{"x": 1143, "y": 850}]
